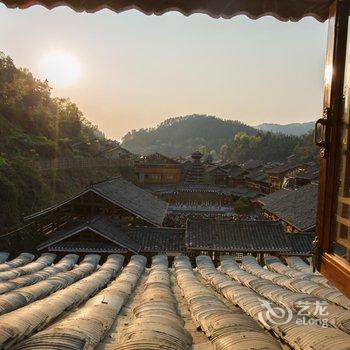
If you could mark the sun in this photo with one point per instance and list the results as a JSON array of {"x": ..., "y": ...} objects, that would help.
[{"x": 60, "y": 68}]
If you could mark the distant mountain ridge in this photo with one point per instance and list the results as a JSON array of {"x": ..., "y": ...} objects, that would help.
[
  {"x": 180, "y": 136},
  {"x": 296, "y": 129}
]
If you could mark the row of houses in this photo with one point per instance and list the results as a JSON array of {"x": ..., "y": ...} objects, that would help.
[
  {"x": 118, "y": 216},
  {"x": 157, "y": 169}
]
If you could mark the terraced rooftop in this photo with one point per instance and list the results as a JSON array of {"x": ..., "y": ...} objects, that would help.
[{"x": 119, "y": 305}]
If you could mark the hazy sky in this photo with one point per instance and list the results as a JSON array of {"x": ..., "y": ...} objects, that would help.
[{"x": 138, "y": 70}]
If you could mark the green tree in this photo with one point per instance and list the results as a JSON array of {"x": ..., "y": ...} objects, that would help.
[{"x": 243, "y": 206}]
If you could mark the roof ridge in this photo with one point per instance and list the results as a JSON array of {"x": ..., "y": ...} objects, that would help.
[{"x": 92, "y": 184}]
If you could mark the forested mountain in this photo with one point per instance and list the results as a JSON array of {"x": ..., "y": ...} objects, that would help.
[
  {"x": 35, "y": 126},
  {"x": 224, "y": 139},
  {"x": 296, "y": 129},
  {"x": 180, "y": 136},
  {"x": 269, "y": 147},
  {"x": 32, "y": 123}
]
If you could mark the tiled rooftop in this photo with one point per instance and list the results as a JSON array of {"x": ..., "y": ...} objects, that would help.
[
  {"x": 123, "y": 194},
  {"x": 297, "y": 207},
  {"x": 201, "y": 307}
]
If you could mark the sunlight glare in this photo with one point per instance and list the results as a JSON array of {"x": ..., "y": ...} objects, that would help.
[{"x": 60, "y": 68}]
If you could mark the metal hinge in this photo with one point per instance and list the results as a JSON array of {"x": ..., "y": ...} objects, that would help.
[{"x": 321, "y": 132}]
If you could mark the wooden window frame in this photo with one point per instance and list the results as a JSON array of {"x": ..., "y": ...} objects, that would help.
[{"x": 333, "y": 267}]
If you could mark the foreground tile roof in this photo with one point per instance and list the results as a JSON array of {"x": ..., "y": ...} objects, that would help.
[{"x": 233, "y": 306}]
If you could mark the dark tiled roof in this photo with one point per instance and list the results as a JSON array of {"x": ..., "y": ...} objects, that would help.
[
  {"x": 126, "y": 195},
  {"x": 235, "y": 236},
  {"x": 133, "y": 199},
  {"x": 215, "y": 169},
  {"x": 297, "y": 207},
  {"x": 283, "y": 168},
  {"x": 236, "y": 172},
  {"x": 118, "y": 148},
  {"x": 258, "y": 175},
  {"x": 241, "y": 191},
  {"x": 232, "y": 170},
  {"x": 309, "y": 174},
  {"x": 158, "y": 239},
  {"x": 239, "y": 236},
  {"x": 157, "y": 158},
  {"x": 252, "y": 164},
  {"x": 104, "y": 226},
  {"x": 301, "y": 243},
  {"x": 146, "y": 239}
]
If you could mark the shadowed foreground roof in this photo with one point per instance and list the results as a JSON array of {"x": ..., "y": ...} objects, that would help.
[
  {"x": 301, "y": 242},
  {"x": 238, "y": 236},
  {"x": 159, "y": 239},
  {"x": 233, "y": 236},
  {"x": 297, "y": 207},
  {"x": 283, "y": 10},
  {"x": 126, "y": 195},
  {"x": 103, "y": 226},
  {"x": 136, "y": 239}
]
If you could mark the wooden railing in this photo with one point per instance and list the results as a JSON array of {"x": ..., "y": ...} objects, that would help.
[{"x": 71, "y": 163}]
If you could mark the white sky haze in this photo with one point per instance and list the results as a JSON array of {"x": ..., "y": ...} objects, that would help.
[{"x": 136, "y": 70}]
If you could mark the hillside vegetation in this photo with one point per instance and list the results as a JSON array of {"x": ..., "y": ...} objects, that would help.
[
  {"x": 182, "y": 135},
  {"x": 36, "y": 126}
]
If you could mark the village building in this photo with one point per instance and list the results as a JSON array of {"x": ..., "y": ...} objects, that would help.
[
  {"x": 307, "y": 176},
  {"x": 295, "y": 208},
  {"x": 215, "y": 238},
  {"x": 258, "y": 180},
  {"x": 228, "y": 174},
  {"x": 278, "y": 174},
  {"x": 106, "y": 235},
  {"x": 115, "y": 216},
  {"x": 252, "y": 164},
  {"x": 158, "y": 169},
  {"x": 195, "y": 171},
  {"x": 116, "y": 197},
  {"x": 115, "y": 152}
]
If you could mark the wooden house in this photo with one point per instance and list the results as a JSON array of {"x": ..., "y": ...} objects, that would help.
[
  {"x": 116, "y": 198},
  {"x": 115, "y": 152},
  {"x": 158, "y": 169},
  {"x": 229, "y": 174},
  {"x": 277, "y": 175}
]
